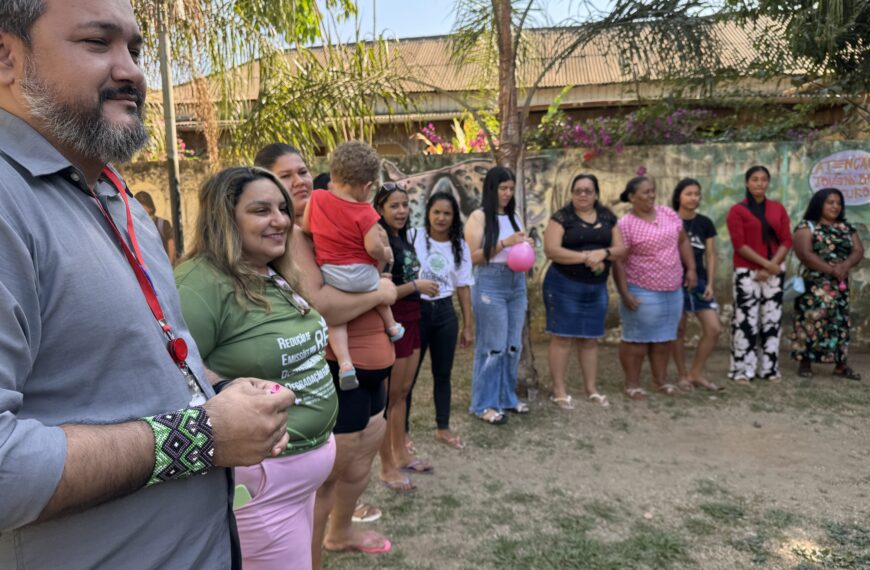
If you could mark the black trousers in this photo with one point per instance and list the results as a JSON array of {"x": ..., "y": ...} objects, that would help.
[{"x": 439, "y": 328}]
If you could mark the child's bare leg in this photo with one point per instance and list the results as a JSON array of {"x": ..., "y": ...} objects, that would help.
[{"x": 339, "y": 344}]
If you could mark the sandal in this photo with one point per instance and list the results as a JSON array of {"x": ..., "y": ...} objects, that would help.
[
  {"x": 686, "y": 384},
  {"x": 599, "y": 399},
  {"x": 398, "y": 334},
  {"x": 520, "y": 408},
  {"x": 418, "y": 467},
  {"x": 493, "y": 417},
  {"x": 404, "y": 486},
  {"x": 743, "y": 381},
  {"x": 848, "y": 373},
  {"x": 636, "y": 393},
  {"x": 364, "y": 512},
  {"x": 668, "y": 390},
  {"x": 707, "y": 385},
  {"x": 347, "y": 380},
  {"x": 564, "y": 402},
  {"x": 451, "y": 439}
]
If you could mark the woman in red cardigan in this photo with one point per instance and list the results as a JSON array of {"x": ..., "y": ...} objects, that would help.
[{"x": 761, "y": 238}]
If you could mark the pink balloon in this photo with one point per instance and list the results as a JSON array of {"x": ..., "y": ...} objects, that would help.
[{"x": 521, "y": 257}]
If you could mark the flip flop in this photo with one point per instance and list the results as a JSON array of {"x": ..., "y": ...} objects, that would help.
[
  {"x": 669, "y": 390},
  {"x": 520, "y": 408},
  {"x": 451, "y": 440},
  {"x": 636, "y": 393},
  {"x": 418, "y": 467},
  {"x": 382, "y": 548},
  {"x": 743, "y": 381},
  {"x": 366, "y": 513},
  {"x": 404, "y": 486},
  {"x": 564, "y": 402},
  {"x": 707, "y": 385},
  {"x": 599, "y": 399}
]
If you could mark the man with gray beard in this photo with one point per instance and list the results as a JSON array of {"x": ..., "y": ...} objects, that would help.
[{"x": 113, "y": 448}]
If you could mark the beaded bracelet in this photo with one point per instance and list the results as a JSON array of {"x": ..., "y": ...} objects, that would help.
[{"x": 183, "y": 444}]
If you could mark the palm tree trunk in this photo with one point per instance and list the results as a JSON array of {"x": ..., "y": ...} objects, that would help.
[{"x": 509, "y": 153}]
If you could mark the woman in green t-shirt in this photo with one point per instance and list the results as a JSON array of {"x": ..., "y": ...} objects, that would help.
[{"x": 250, "y": 321}]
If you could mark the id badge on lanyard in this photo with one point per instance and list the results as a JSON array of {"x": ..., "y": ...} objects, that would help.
[{"x": 175, "y": 346}]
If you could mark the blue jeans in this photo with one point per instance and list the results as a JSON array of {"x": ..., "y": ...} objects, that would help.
[{"x": 499, "y": 299}]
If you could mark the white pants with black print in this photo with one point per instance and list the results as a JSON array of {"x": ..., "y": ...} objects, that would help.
[{"x": 755, "y": 303}]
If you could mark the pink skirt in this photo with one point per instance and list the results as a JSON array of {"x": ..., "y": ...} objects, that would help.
[{"x": 276, "y": 526}]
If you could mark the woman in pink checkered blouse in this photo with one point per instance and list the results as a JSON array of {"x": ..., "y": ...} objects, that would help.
[{"x": 650, "y": 281}]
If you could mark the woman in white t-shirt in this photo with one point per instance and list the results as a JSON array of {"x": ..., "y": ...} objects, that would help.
[
  {"x": 445, "y": 259},
  {"x": 498, "y": 299}
]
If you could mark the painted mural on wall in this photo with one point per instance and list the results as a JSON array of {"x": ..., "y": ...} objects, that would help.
[
  {"x": 719, "y": 168},
  {"x": 795, "y": 171}
]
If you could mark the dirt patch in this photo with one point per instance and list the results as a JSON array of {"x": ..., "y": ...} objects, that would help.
[{"x": 770, "y": 476}]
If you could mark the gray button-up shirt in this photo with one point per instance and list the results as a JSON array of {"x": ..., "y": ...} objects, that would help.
[{"x": 78, "y": 344}]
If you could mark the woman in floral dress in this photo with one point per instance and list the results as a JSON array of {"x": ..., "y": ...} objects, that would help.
[{"x": 828, "y": 247}]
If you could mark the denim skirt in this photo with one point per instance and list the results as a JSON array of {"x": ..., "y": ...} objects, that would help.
[
  {"x": 657, "y": 318},
  {"x": 574, "y": 309}
]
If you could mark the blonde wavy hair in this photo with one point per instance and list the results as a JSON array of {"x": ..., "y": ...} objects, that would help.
[{"x": 216, "y": 236}]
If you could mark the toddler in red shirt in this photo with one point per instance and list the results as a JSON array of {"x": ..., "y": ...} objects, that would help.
[{"x": 350, "y": 246}]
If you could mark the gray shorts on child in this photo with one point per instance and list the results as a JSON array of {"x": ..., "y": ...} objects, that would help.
[{"x": 353, "y": 278}]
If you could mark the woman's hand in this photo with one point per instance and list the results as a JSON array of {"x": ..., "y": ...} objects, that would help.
[
  {"x": 515, "y": 238},
  {"x": 466, "y": 338},
  {"x": 630, "y": 301},
  {"x": 691, "y": 279},
  {"x": 427, "y": 287},
  {"x": 708, "y": 292},
  {"x": 772, "y": 268},
  {"x": 762, "y": 275},
  {"x": 840, "y": 271},
  {"x": 595, "y": 257}
]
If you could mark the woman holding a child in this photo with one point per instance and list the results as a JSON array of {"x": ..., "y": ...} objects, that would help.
[{"x": 360, "y": 425}]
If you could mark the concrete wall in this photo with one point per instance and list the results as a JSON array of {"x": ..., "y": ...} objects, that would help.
[{"x": 719, "y": 168}]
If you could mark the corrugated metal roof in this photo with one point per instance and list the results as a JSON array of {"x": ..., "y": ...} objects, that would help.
[{"x": 596, "y": 63}]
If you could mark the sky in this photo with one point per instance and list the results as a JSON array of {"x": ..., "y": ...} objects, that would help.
[{"x": 415, "y": 18}]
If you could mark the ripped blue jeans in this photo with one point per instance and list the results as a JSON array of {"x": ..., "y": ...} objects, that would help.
[{"x": 499, "y": 299}]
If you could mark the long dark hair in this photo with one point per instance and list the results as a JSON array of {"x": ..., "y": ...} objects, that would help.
[
  {"x": 494, "y": 177},
  {"x": 678, "y": 191},
  {"x": 454, "y": 232},
  {"x": 631, "y": 187},
  {"x": 386, "y": 190},
  {"x": 758, "y": 209},
  {"x": 817, "y": 202}
]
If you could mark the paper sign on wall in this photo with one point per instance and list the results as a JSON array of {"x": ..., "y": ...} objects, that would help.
[{"x": 848, "y": 171}]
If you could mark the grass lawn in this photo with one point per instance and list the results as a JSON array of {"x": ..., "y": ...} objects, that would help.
[{"x": 768, "y": 476}]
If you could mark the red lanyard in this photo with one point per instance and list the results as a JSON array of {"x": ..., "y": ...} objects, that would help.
[{"x": 177, "y": 347}]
